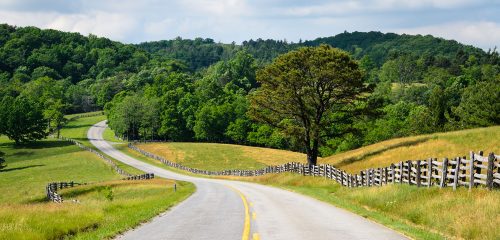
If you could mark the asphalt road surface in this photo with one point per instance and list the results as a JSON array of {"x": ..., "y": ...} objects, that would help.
[{"x": 222, "y": 209}]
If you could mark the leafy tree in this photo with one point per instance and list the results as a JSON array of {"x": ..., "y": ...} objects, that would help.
[
  {"x": 22, "y": 119},
  {"x": 480, "y": 106},
  {"x": 301, "y": 88}
]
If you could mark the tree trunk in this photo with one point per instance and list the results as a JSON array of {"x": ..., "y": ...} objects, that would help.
[{"x": 312, "y": 153}]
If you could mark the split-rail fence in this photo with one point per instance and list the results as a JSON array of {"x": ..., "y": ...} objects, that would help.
[{"x": 477, "y": 170}]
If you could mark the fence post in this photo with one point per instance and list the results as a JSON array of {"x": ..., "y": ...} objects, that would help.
[
  {"x": 400, "y": 172},
  {"x": 444, "y": 173},
  {"x": 362, "y": 177},
  {"x": 393, "y": 173},
  {"x": 417, "y": 178},
  {"x": 429, "y": 172},
  {"x": 489, "y": 174},
  {"x": 457, "y": 172},
  {"x": 386, "y": 174},
  {"x": 409, "y": 172}
]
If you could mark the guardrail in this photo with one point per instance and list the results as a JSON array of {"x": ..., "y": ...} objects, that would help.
[{"x": 478, "y": 170}]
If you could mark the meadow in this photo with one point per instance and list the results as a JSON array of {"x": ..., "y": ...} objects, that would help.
[
  {"x": 105, "y": 207},
  {"x": 214, "y": 156}
]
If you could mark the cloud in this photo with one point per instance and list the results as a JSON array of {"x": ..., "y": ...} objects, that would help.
[
  {"x": 472, "y": 21},
  {"x": 484, "y": 34}
]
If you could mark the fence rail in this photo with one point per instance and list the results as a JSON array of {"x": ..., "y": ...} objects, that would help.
[
  {"x": 109, "y": 161},
  {"x": 52, "y": 188},
  {"x": 478, "y": 170}
]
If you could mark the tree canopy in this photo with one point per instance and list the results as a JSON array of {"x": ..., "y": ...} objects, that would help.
[{"x": 302, "y": 89}]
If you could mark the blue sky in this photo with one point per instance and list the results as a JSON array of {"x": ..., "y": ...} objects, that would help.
[{"x": 474, "y": 22}]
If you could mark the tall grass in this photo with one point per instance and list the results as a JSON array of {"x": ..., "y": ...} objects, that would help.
[
  {"x": 213, "y": 156},
  {"x": 440, "y": 145},
  {"x": 95, "y": 215}
]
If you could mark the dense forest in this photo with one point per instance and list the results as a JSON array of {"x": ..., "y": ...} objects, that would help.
[{"x": 197, "y": 90}]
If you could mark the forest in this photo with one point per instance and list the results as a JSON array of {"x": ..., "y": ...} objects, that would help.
[{"x": 198, "y": 90}]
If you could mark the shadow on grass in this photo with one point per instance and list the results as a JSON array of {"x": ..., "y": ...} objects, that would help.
[
  {"x": 350, "y": 160},
  {"x": 78, "y": 126},
  {"x": 36, "y": 145},
  {"x": 21, "y": 168}
]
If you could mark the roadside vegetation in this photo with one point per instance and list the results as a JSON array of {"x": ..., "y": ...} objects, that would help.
[{"x": 101, "y": 210}]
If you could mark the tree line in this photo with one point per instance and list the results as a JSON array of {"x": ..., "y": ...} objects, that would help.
[{"x": 200, "y": 90}]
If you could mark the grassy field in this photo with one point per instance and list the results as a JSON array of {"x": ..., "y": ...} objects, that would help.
[
  {"x": 30, "y": 168},
  {"x": 105, "y": 208},
  {"x": 440, "y": 145},
  {"x": 77, "y": 129},
  {"x": 213, "y": 156}
]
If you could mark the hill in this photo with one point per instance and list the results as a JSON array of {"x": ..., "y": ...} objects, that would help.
[
  {"x": 439, "y": 145},
  {"x": 379, "y": 47}
]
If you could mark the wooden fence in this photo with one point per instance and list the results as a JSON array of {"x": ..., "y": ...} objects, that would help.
[
  {"x": 109, "y": 161},
  {"x": 52, "y": 188},
  {"x": 460, "y": 171},
  {"x": 84, "y": 115}
]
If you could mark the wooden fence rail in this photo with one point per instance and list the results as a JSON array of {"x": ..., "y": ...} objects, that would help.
[
  {"x": 52, "y": 188},
  {"x": 109, "y": 161},
  {"x": 478, "y": 170}
]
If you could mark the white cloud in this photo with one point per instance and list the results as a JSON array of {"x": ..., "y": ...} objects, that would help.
[
  {"x": 112, "y": 25},
  {"x": 237, "y": 20},
  {"x": 483, "y": 34}
]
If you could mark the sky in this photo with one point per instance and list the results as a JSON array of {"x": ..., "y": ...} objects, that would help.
[{"x": 473, "y": 22}]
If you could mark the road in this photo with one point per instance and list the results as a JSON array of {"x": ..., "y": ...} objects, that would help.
[{"x": 223, "y": 209}]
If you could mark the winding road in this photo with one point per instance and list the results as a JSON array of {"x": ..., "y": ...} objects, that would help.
[{"x": 223, "y": 209}]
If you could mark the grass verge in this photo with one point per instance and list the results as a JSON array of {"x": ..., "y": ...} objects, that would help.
[{"x": 103, "y": 210}]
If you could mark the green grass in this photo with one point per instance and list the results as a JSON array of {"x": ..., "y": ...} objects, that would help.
[
  {"x": 80, "y": 114},
  {"x": 77, "y": 129},
  {"x": 30, "y": 168},
  {"x": 96, "y": 216},
  {"x": 25, "y": 214}
]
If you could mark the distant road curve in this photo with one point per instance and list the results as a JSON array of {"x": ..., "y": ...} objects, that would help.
[{"x": 222, "y": 209}]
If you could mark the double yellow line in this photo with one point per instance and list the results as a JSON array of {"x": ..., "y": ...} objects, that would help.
[{"x": 246, "y": 226}]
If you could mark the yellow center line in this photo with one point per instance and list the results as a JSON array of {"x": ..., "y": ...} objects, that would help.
[
  {"x": 246, "y": 226},
  {"x": 255, "y": 236}
]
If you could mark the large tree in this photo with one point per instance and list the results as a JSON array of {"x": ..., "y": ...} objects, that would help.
[
  {"x": 302, "y": 90},
  {"x": 22, "y": 119}
]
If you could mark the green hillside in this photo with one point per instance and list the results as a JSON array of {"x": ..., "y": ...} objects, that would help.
[{"x": 105, "y": 207}]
